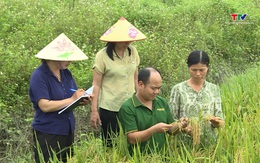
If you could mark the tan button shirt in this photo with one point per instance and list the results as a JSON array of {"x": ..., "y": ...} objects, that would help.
[{"x": 118, "y": 78}]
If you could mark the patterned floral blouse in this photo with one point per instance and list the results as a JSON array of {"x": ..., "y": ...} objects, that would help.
[{"x": 186, "y": 102}]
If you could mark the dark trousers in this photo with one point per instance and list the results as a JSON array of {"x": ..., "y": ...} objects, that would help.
[
  {"x": 46, "y": 144},
  {"x": 110, "y": 128}
]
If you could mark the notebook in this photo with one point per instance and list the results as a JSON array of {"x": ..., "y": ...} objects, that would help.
[{"x": 76, "y": 102}]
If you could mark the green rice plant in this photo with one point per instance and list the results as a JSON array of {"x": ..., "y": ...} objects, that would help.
[{"x": 240, "y": 103}]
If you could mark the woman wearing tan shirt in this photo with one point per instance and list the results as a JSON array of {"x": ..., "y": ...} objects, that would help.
[{"x": 115, "y": 73}]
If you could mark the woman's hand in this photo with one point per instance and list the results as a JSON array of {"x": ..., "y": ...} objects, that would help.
[
  {"x": 87, "y": 100},
  {"x": 216, "y": 122},
  {"x": 179, "y": 126},
  {"x": 81, "y": 92},
  {"x": 187, "y": 130},
  {"x": 184, "y": 122},
  {"x": 95, "y": 119},
  {"x": 77, "y": 94},
  {"x": 186, "y": 127}
]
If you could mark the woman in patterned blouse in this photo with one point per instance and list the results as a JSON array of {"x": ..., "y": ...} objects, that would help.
[{"x": 198, "y": 99}]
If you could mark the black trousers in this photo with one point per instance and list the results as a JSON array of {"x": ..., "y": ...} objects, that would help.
[
  {"x": 110, "y": 128},
  {"x": 61, "y": 145}
]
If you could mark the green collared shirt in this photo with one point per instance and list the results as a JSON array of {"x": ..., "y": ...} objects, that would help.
[
  {"x": 118, "y": 77},
  {"x": 134, "y": 116}
]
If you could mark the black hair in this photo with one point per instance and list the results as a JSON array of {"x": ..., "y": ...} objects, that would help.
[
  {"x": 111, "y": 47},
  {"x": 145, "y": 73},
  {"x": 196, "y": 57}
]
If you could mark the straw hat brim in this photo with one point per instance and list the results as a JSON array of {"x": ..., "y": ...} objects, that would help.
[
  {"x": 61, "y": 49},
  {"x": 122, "y": 31}
]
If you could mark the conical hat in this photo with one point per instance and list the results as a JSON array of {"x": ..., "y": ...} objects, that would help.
[
  {"x": 61, "y": 49},
  {"x": 122, "y": 31}
]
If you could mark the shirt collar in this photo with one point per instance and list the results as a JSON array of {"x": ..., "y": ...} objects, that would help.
[
  {"x": 45, "y": 68},
  {"x": 125, "y": 54},
  {"x": 137, "y": 103},
  {"x": 204, "y": 84}
]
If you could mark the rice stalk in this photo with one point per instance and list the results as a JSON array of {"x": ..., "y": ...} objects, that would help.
[{"x": 195, "y": 125}]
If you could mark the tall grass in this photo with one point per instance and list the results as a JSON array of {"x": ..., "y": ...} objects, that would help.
[{"x": 238, "y": 141}]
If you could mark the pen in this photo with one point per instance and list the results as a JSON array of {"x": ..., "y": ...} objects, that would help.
[{"x": 73, "y": 90}]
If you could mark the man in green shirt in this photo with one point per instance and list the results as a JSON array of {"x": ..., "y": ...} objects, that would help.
[{"x": 146, "y": 117}]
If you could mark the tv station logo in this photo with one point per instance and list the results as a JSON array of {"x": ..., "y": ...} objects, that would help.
[{"x": 238, "y": 17}]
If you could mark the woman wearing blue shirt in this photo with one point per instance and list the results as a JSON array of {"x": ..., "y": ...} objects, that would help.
[{"x": 50, "y": 92}]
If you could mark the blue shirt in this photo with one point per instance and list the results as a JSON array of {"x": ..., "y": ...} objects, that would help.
[{"x": 44, "y": 85}]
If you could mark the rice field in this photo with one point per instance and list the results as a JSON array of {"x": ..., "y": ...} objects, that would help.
[{"x": 238, "y": 141}]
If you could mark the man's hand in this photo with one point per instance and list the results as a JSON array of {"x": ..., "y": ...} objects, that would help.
[{"x": 161, "y": 127}]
